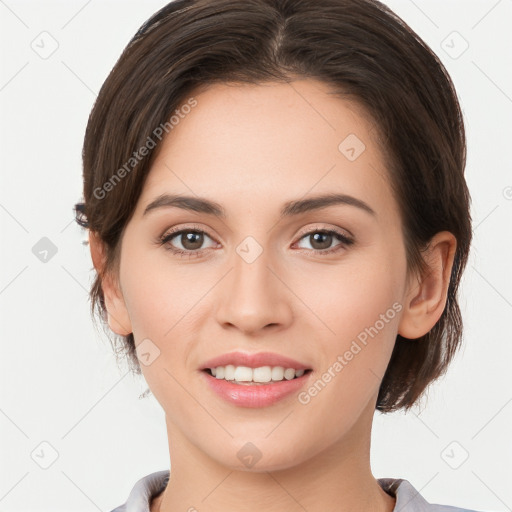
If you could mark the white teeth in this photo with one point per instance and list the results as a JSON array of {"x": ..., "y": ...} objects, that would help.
[
  {"x": 260, "y": 374},
  {"x": 240, "y": 373},
  {"x": 289, "y": 373},
  {"x": 278, "y": 373},
  {"x": 229, "y": 372}
]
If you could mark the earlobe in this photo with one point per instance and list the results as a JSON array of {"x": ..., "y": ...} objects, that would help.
[
  {"x": 117, "y": 313},
  {"x": 426, "y": 296}
]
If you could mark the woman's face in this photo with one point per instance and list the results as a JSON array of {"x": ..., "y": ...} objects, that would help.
[{"x": 263, "y": 278}]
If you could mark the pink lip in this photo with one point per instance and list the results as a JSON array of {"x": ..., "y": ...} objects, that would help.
[
  {"x": 255, "y": 395},
  {"x": 254, "y": 361}
]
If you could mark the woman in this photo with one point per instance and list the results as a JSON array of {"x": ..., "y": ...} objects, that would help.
[{"x": 277, "y": 212}]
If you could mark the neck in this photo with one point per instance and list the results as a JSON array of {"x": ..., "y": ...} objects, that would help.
[{"x": 336, "y": 479}]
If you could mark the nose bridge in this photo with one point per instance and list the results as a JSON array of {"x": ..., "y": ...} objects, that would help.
[
  {"x": 251, "y": 266},
  {"x": 252, "y": 296}
]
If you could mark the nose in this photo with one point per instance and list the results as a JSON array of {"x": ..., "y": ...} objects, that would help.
[{"x": 253, "y": 296}]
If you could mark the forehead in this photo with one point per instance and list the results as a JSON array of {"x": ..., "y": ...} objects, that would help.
[{"x": 246, "y": 142}]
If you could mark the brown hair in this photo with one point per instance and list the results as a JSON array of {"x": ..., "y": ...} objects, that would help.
[{"x": 360, "y": 48}]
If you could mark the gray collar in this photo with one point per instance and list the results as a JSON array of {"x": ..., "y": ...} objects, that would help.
[{"x": 408, "y": 499}]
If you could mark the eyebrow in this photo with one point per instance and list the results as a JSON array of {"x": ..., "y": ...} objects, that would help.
[{"x": 290, "y": 208}]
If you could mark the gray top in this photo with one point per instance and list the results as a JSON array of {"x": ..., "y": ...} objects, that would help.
[{"x": 408, "y": 499}]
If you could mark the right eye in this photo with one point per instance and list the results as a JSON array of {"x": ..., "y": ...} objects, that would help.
[{"x": 191, "y": 241}]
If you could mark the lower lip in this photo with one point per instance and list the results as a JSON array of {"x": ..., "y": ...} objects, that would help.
[{"x": 256, "y": 395}]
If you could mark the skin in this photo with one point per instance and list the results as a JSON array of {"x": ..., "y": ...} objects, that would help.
[{"x": 251, "y": 148}]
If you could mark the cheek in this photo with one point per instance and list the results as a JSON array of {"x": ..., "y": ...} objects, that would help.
[
  {"x": 149, "y": 305},
  {"x": 166, "y": 304},
  {"x": 351, "y": 297},
  {"x": 355, "y": 358},
  {"x": 154, "y": 293},
  {"x": 359, "y": 308}
]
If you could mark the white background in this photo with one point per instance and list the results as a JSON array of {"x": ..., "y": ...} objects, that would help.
[{"x": 59, "y": 381}]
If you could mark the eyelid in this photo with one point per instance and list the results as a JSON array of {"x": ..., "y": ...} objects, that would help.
[
  {"x": 345, "y": 241},
  {"x": 322, "y": 227},
  {"x": 190, "y": 227},
  {"x": 304, "y": 231}
]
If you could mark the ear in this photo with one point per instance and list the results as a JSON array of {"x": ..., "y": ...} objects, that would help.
[
  {"x": 426, "y": 295},
  {"x": 118, "y": 318}
]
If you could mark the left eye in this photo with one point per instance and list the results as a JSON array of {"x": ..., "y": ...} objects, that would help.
[{"x": 322, "y": 239}]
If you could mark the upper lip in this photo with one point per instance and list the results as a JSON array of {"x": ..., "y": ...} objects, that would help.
[{"x": 254, "y": 360}]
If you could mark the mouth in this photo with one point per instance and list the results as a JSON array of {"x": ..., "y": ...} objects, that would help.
[
  {"x": 246, "y": 376},
  {"x": 239, "y": 385}
]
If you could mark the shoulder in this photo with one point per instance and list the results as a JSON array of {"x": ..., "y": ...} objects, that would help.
[
  {"x": 144, "y": 490},
  {"x": 408, "y": 499}
]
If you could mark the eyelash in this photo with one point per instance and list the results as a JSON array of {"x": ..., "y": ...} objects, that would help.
[{"x": 169, "y": 235}]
